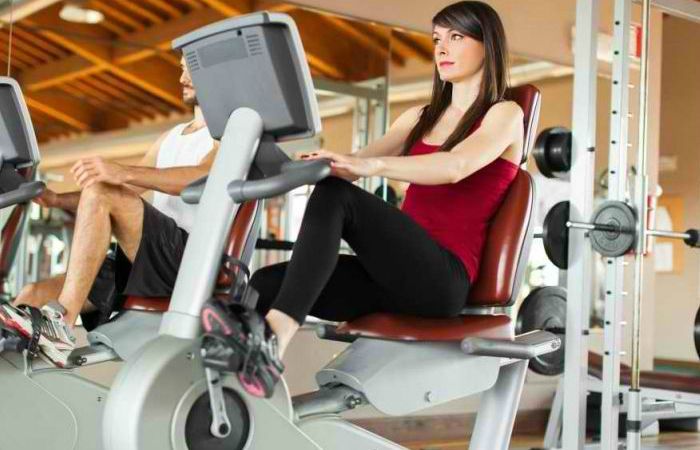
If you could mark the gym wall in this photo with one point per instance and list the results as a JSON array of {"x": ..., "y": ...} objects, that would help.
[{"x": 677, "y": 295}]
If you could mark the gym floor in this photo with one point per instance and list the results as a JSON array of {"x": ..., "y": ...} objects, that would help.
[{"x": 667, "y": 441}]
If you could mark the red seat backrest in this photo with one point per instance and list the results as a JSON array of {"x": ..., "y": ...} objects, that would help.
[{"x": 507, "y": 245}]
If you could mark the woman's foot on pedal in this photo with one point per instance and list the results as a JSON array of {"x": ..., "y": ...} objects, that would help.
[
  {"x": 54, "y": 339},
  {"x": 239, "y": 340}
]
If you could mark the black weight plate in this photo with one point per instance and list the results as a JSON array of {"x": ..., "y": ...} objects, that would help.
[
  {"x": 614, "y": 243},
  {"x": 555, "y": 234},
  {"x": 197, "y": 427},
  {"x": 552, "y": 152},
  {"x": 697, "y": 333},
  {"x": 544, "y": 309}
]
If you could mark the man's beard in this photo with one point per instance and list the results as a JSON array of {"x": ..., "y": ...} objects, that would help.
[{"x": 190, "y": 101}]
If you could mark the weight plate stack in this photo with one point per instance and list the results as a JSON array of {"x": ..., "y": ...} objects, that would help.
[
  {"x": 620, "y": 241},
  {"x": 697, "y": 332},
  {"x": 545, "y": 309},
  {"x": 552, "y": 152},
  {"x": 555, "y": 234}
]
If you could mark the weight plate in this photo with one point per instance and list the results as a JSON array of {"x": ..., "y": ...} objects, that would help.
[
  {"x": 544, "y": 309},
  {"x": 620, "y": 216},
  {"x": 555, "y": 234},
  {"x": 697, "y": 333},
  {"x": 552, "y": 152}
]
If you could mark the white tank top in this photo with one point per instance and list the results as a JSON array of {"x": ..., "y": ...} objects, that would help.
[{"x": 178, "y": 150}]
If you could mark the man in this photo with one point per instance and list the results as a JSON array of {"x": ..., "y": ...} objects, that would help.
[{"x": 151, "y": 237}]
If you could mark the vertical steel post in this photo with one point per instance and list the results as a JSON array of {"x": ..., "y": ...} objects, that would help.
[
  {"x": 581, "y": 201},
  {"x": 617, "y": 184},
  {"x": 634, "y": 414}
]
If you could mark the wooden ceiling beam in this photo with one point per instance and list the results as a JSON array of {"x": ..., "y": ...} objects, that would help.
[
  {"x": 14, "y": 62},
  {"x": 31, "y": 49},
  {"x": 141, "y": 96},
  {"x": 171, "y": 58},
  {"x": 156, "y": 77},
  {"x": 194, "y": 4},
  {"x": 57, "y": 72},
  {"x": 18, "y": 52},
  {"x": 110, "y": 103},
  {"x": 112, "y": 26},
  {"x": 139, "y": 10},
  {"x": 158, "y": 38},
  {"x": 79, "y": 92},
  {"x": 339, "y": 61},
  {"x": 83, "y": 40},
  {"x": 323, "y": 67},
  {"x": 229, "y": 8},
  {"x": 166, "y": 7},
  {"x": 45, "y": 45},
  {"x": 150, "y": 41},
  {"x": 154, "y": 81},
  {"x": 68, "y": 110},
  {"x": 378, "y": 45},
  {"x": 421, "y": 48},
  {"x": 119, "y": 15},
  {"x": 143, "y": 109},
  {"x": 273, "y": 6}
]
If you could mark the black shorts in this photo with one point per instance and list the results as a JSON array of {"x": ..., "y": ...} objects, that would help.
[{"x": 152, "y": 273}]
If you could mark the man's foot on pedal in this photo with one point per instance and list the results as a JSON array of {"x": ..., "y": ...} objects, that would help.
[
  {"x": 55, "y": 339},
  {"x": 239, "y": 340}
]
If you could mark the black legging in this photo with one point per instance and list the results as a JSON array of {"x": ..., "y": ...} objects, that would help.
[{"x": 399, "y": 268}]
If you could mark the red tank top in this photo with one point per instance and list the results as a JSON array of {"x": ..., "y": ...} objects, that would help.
[{"x": 457, "y": 215}]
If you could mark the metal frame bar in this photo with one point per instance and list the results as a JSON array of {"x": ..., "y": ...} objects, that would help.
[
  {"x": 499, "y": 405},
  {"x": 581, "y": 203},
  {"x": 617, "y": 182},
  {"x": 575, "y": 382}
]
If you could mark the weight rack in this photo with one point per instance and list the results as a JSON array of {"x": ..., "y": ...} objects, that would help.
[
  {"x": 571, "y": 394},
  {"x": 580, "y": 268}
]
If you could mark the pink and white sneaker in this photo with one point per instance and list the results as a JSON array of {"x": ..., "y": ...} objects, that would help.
[{"x": 55, "y": 338}]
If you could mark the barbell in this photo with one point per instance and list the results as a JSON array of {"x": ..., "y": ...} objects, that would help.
[{"x": 612, "y": 231}]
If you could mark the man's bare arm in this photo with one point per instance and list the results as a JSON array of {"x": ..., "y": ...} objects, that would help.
[{"x": 170, "y": 180}]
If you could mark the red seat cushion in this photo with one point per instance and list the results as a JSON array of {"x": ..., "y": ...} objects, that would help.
[
  {"x": 151, "y": 304},
  {"x": 410, "y": 328}
]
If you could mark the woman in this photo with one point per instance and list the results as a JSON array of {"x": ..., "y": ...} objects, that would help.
[{"x": 459, "y": 153}]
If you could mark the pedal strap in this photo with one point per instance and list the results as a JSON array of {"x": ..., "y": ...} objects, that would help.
[
  {"x": 234, "y": 267},
  {"x": 37, "y": 319},
  {"x": 241, "y": 292}
]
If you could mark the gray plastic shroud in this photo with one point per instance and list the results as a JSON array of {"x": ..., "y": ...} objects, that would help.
[
  {"x": 400, "y": 378},
  {"x": 17, "y": 138},
  {"x": 128, "y": 334},
  {"x": 197, "y": 40}
]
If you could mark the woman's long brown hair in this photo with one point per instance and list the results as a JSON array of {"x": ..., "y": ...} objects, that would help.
[{"x": 481, "y": 22}]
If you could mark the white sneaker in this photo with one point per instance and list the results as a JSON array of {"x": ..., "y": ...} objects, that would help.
[{"x": 56, "y": 339}]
